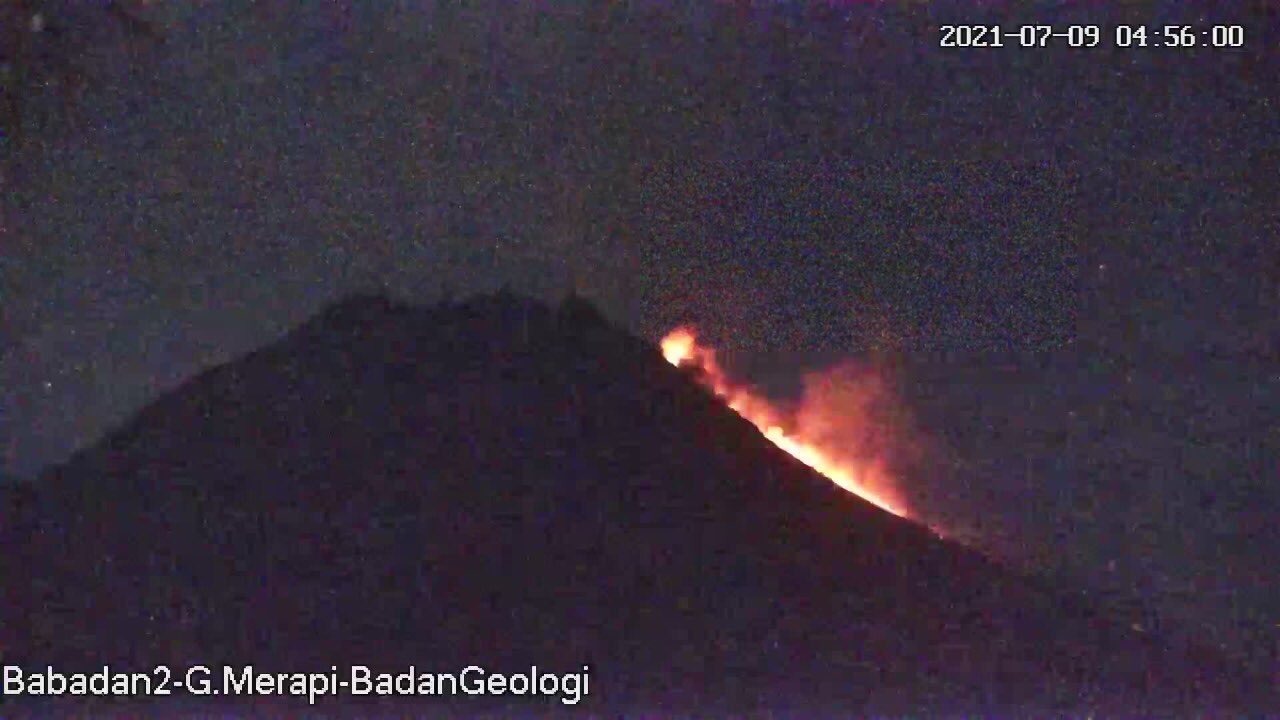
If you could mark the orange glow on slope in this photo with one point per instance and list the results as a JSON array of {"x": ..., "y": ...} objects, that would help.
[{"x": 832, "y": 430}]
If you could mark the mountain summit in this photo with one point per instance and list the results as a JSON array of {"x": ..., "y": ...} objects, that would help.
[{"x": 501, "y": 483}]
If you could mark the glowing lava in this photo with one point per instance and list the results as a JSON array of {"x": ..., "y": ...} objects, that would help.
[{"x": 817, "y": 432}]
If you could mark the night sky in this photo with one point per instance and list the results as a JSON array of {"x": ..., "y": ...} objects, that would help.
[{"x": 804, "y": 182}]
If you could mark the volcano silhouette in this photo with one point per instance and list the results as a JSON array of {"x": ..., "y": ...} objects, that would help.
[{"x": 506, "y": 484}]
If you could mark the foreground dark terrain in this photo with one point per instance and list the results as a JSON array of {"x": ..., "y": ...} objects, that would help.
[{"x": 504, "y": 484}]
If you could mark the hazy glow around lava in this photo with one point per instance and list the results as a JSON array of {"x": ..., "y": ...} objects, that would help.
[{"x": 833, "y": 407}]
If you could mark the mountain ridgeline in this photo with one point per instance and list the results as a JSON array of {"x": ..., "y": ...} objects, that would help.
[{"x": 503, "y": 483}]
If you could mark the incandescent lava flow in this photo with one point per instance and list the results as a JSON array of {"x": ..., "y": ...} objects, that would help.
[{"x": 816, "y": 432}]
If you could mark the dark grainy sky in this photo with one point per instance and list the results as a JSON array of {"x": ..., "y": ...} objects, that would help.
[{"x": 805, "y": 181}]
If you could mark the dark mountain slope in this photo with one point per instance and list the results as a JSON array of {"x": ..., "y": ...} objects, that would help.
[{"x": 504, "y": 484}]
